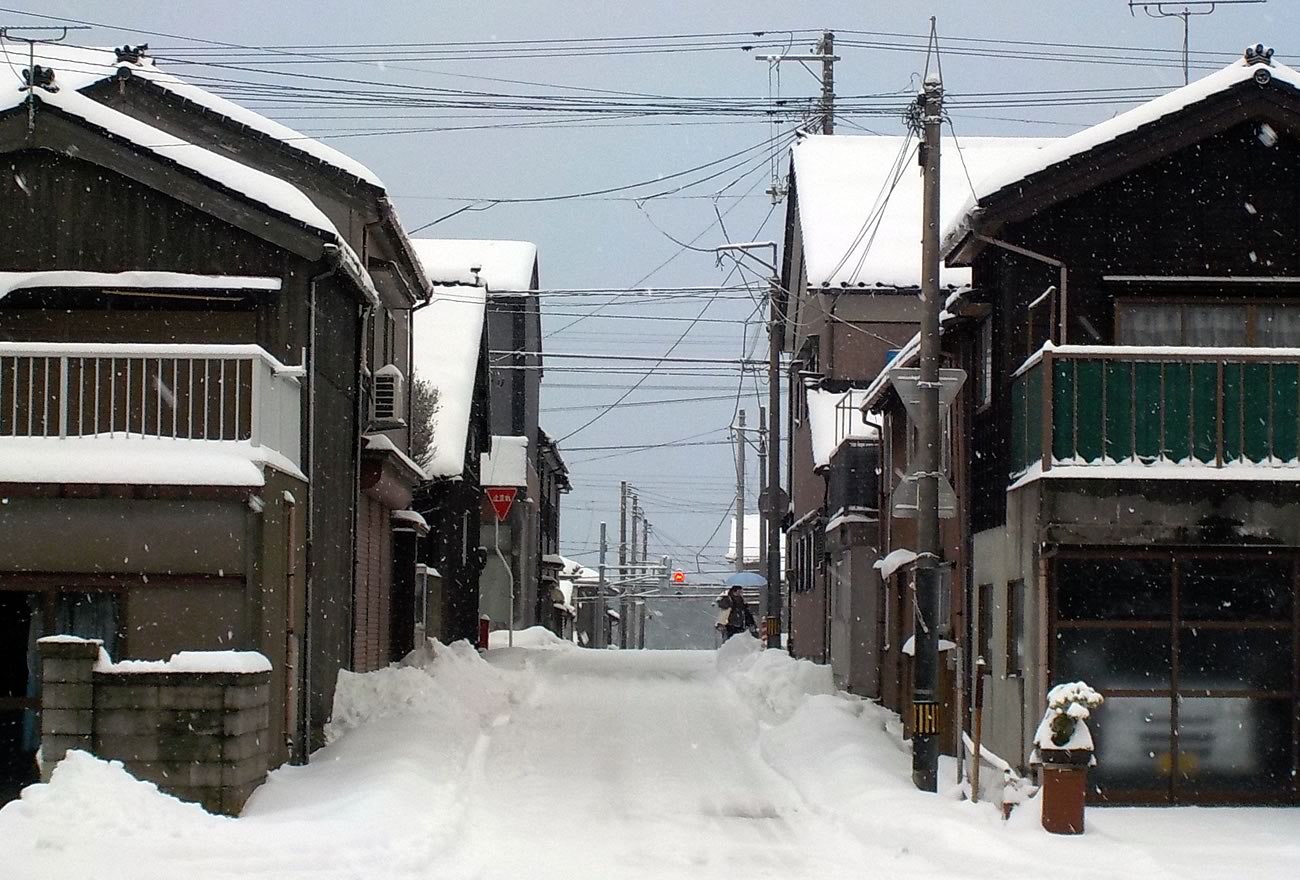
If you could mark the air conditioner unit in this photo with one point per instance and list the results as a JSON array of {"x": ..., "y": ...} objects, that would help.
[{"x": 387, "y": 404}]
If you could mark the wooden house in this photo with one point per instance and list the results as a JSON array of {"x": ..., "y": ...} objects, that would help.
[
  {"x": 1132, "y": 429},
  {"x": 203, "y": 339},
  {"x": 850, "y": 273},
  {"x": 451, "y": 353}
]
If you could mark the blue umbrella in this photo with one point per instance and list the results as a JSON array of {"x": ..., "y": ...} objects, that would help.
[{"x": 745, "y": 580}]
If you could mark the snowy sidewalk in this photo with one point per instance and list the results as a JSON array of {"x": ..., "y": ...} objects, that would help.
[{"x": 551, "y": 761}]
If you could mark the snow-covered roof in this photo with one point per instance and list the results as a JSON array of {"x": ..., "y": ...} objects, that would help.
[
  {"x": 144, "y": 280},
  {"x": 77, "y": 68},
  {"x": 275, "y": 193},
  {"x": 504, "y": 266},
  {"x": 857, "y": 232},
  {"x": 833, "y": 417},
  {"x": 448, "y": 341},
  {"x": 507, "y": 463},
  {"x": 381, "y": 443},
  {"x": 140, "y": 461},
  {"x": 574, "y": 570},
  {"x": 1016, "y": 168},
  {"x": 753, "y": 529}
]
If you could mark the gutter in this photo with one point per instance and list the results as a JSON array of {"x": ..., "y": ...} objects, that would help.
[{"x": 1042, "y": 258}]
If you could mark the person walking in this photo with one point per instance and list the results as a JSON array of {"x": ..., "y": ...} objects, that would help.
[{"x": 734, "y": 616}]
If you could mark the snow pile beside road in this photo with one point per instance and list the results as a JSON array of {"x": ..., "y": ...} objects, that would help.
[
  {"x": 773, "y": 682},
  {"x": 441, "y": 680},
  {"x": 90, "y": 796},
  {"x": 534, "y": 637}
]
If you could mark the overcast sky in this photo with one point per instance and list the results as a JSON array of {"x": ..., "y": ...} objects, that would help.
[{"x": 614, "y": 242}]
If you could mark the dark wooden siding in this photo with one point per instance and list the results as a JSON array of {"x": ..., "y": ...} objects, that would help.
[{"x": 1226, "y": 206}]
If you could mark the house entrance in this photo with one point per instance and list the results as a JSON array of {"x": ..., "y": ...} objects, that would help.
[
  {"x": 25, "y": 616},
  {"x": 1195, "y": 652}
]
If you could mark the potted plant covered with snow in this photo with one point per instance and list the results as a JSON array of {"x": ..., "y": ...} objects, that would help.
[{"x": 1063, "y": 746}]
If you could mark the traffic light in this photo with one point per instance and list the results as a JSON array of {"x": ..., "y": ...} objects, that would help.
[{"x": 679, "y": 577}]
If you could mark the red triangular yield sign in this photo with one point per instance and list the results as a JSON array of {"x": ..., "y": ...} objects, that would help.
[{"x": 501, "y": 497}]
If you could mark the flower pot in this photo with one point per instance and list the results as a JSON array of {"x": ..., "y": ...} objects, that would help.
[{"x": 1065, "y": 786}]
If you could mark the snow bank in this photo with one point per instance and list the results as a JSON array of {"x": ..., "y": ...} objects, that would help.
[
  {"x": 535, "y": 637},
  {"x": 448, "y": 681},
  {"x": 772, "y": 682}
]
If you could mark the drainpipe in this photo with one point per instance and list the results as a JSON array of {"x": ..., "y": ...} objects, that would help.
[
  {"x": 1042, "y": 258},
  {"x": 332, "y": 256}
]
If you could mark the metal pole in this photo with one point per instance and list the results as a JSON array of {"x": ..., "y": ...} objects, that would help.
[
  {"x": 622, "y": 562},
  {"x": 774, "y": 511},
  {"x": 510, "y": 632},
  {"x": 598, "y": 637},
  {"x": 740, "y": 492},
  {"x": 827, "y": 47},
  {"x": 925, "y": 678}
]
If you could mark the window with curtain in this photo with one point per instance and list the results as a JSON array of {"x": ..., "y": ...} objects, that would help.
[{"x": 1209, "y": 324}]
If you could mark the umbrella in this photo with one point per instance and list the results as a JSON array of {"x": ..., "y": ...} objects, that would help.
[{"x": 745, "y": 580}]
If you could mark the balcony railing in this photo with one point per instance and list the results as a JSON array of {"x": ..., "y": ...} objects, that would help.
[
  {"x": 1205, "y": 407},
  {"x": 191, "y": 392}
]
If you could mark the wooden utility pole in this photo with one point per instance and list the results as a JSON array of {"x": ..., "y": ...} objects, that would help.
[
  {"x": 929, "y": 550},
  {"x": 775, "y": 511},
  {"x": 632, "y": 551},
  {"x": 826, "y": 49},
  {"x": 740, "y": 491}
]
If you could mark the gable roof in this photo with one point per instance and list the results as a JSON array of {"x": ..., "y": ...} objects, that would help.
[
  {"x": 505, "y": 266},
  {"x": 275, "y": 195},
  {"x": 77, "y": 68},
  {"x": 1014, "y": 175},
  {"x": 448, "y": 343},
  {"x": 859, "y": 203}
]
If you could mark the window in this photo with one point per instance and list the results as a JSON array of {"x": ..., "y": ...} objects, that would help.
[
  {"x": 1209, "y": 324},
  {"x": 984, "y": 594},
  {"x": 1015, "y": 628},
  {"x": 984, "y": 364}
]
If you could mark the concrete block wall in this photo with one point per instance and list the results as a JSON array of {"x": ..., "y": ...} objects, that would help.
[{"x": 201, "y": 736}]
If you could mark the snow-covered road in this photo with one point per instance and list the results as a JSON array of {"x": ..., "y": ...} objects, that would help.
[
  {"x": 638, "y": 764},
  {"x": 551, "y": 761}
]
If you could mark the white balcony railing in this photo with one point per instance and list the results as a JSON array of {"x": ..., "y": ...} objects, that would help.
[{"x": 194, "y": 392}]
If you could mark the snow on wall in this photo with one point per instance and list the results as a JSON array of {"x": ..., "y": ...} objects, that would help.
[
  {"x": 842, "y": 181},
  {"x": 79, "y": 67},
  {"x": 448, "y": 341},
  {"x": 507, "y": 463},
  {"x": 190, "y": 661},
  {"x": 830, "y": 425},
  {"x": 505, "y": 266},
  {"x": 1053, "y": 152}
]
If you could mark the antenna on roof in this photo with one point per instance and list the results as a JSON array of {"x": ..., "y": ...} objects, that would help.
[
  {"x": 1156, "y": 9},
  {"x": 35, "y": 76}
]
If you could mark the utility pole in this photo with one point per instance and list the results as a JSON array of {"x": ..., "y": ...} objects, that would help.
[
  {"x": 602, "y": 619},
  {"x": 772, "y": 485},
  {"x": 632, "y": 553},
  {"x": 929, "y": 550},
  {"x": 762, "y": 483},
  {"x": 826, "y": 49},
  {"x": 740, "y": 492},
  {"x": 775, "y": 509},
  {"x": 621, "y": 580},
  {"x": 645, "y": 543}
]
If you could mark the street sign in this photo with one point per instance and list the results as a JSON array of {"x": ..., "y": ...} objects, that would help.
[
  {"x": 905, "y": 497},
  {"x": 906, "y": 382},
  {"x": 501, "y": 498}
]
